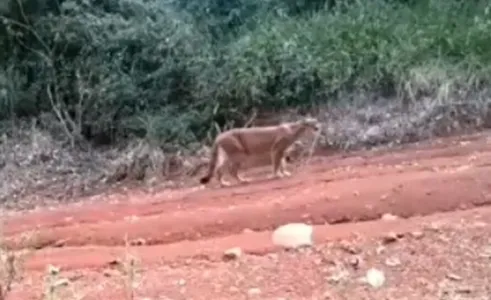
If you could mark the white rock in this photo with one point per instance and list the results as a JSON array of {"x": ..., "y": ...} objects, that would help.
[
  {"x": 389, "y": 217},
  {"x": 232, "y": 253},
  {"x": 338, "y": 276},
  {"x": 453, "y": 277},
  {"x": 293, "y": 235},
  {"x": 253, "y": 292},
  {"x": 417, "y": 234},
  {"x": 393, "y": 262},
  {"x": 375, "y": 278}
]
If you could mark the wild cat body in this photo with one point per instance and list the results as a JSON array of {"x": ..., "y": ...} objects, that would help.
[{"x": 232, "y": 147}]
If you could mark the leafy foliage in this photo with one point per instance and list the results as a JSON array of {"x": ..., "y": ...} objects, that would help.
[{"x": 174, "y": 70}]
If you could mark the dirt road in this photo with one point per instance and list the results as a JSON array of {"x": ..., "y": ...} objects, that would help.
[{"x": 201, "y": 222}]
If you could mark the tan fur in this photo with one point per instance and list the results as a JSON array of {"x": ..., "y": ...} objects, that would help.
[{"x": 231, "y": 148}]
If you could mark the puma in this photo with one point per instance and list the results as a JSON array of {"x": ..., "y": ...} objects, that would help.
[{"x": 232, "y": 147}]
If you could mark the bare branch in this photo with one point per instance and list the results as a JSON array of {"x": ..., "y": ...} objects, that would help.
[
  {"x": 29, "y": 28},
  {"x": 252, "y": 118},
  {"x": 59, "y": 115},
  {"x": 48, "y": 60},
  {"x": 80, "y": 104}
]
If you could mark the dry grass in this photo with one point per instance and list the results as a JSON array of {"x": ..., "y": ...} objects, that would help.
[
  {"x": 35, "y": 166},
  {"x": 387, "y": 122},
  {"x": 8, "y": 273},
  {"x": 143, "y": 160},
  {"x": 36, "y": 169},
  {"x": 56, "y": 286},
  {"x": 11, "y": 267}
]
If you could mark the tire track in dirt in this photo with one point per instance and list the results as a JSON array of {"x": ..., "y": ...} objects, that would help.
[
  {"x": 407, "y": 183},
  {"x": 255, "y": 243}
]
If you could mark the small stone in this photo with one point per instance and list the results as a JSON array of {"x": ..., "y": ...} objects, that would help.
[
  {"x": 138, "y": 242},
  {"x": 453, "y": 277},
  {"x": 293, "y": 235},
  {"x": 338, "y": 276},
  {"x": 389, "y": 217},
  {"x": 380, "y": 250},
  {"x": 355, "y": 262},
  {"x": 60, "y": 243},
  {"x": 348, "y": 247},
  {"x": 393, "y": 262},
  {"x": 106, "y": 273},
  {"x": 232, "y": 253},
  {"x": 253, "y": 292},
  {"x": 375, "y": 278},
  {"x": 390, "y": 238},
  {"x": 417, "y": 234},
  {"x": 114, "y": 263}
]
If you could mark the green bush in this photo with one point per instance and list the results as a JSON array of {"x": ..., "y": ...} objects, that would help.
[{"x": 173, "y": 70}]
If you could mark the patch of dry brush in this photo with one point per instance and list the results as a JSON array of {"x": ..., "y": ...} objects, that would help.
[{"x": 35, "y": 166}]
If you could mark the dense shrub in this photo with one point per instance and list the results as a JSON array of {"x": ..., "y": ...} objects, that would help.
[{"x": 100, "y": 70}]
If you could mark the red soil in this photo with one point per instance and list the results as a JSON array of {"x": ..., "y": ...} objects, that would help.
[{"x": 446, "y": 175}]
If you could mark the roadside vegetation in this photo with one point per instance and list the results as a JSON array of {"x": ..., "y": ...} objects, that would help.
[{"x": 98, "y": 91}]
